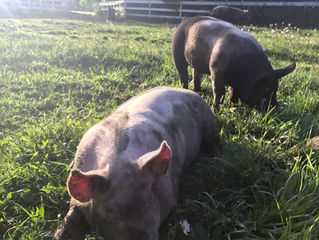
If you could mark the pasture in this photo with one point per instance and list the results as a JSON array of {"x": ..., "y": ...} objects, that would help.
[{"x": 59, "y": 77}]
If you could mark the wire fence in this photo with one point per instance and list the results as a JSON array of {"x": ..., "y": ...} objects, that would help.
[{"x": 179, "y": 9}]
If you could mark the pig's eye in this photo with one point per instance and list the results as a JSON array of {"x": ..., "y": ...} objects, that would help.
[{"x": 267, "y": 89}]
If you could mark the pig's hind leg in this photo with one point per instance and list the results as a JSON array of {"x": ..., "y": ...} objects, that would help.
[
  {"x": 181, "y": 66},
  {"x": 178, "y": 51}
]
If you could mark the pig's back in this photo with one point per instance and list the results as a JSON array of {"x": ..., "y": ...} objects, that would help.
[
  {"x": 177, "y": 116},
  {"x": 141, "y": 124},
  {"x": 201, "y": 39}
]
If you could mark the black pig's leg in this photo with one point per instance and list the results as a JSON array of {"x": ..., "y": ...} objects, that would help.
[
  {"x": 233, "y": 95},
  {"x": 197, "y": 80},
  {"x": 183, "y": 76},
  {"x": 218, "y": 90}
]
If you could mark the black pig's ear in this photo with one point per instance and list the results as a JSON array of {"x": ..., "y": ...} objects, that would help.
[
  {"x": 85, "y": 186},
  {"x": 156, "y": 162},
  {"x": 279, "y": 73}
]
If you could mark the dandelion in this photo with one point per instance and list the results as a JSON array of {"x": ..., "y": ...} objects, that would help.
[
  {"x": 185, "y": 226},
  {"x": 318, "y": 54}
]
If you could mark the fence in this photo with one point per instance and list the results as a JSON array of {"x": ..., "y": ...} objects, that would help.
[
  {"x": 117, "y": 5},
  {"x": 177, "y": 10},
  {"x": 31, "y": 5}
]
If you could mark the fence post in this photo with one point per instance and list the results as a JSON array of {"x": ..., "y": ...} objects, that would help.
[
  {"x": 149, "y": 7},
  {"x": 180, "y": 9}
]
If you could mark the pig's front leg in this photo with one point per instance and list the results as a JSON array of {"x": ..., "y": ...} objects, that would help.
[{"x": 73, "y": 227}]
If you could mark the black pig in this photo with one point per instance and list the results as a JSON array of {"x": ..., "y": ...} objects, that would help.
[
  {"x": 232, "y": 15},
  {"x": 230, "y": 56}
]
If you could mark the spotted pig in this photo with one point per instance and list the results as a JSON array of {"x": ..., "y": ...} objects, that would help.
[{"x": 127, "y": 167}]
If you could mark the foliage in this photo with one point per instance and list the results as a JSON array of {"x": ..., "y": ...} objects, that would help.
[
  {"x": 84, "y": 4},
  {"x": 89, "y": 4},
  {"x": 59, "y": 77}
]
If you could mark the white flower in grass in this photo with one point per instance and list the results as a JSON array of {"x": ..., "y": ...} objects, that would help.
[{"x": 185, "y": 226}]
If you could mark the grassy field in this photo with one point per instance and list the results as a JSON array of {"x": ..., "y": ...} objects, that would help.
[{"x": 59, "y": 77}]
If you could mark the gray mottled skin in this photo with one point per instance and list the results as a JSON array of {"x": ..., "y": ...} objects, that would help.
[
  {"x": 230, "y": 56},
  {"x": 129, "y": 201},
  {"x": 231, "y": 14}
]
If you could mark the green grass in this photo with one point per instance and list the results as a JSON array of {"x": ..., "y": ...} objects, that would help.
[{"x": 59, "y": 77}]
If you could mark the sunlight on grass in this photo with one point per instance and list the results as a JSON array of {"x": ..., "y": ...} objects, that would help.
[{"x": 59, "y": 77}]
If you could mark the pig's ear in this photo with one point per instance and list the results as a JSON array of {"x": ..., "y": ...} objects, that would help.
[
  {"x": 156, "y": 162},
  {"x": 279, "y": 73},
  {"x": 84, "y": 186}
]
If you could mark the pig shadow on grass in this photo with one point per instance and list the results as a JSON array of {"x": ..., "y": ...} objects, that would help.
[{"x": 212, "y": 187}]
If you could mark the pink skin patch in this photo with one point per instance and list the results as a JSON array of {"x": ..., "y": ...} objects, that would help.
[
  {"x": 160, "y": 162},
  {"x": 165, "y": 153},
  {"x": 80, "y": 187}
]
